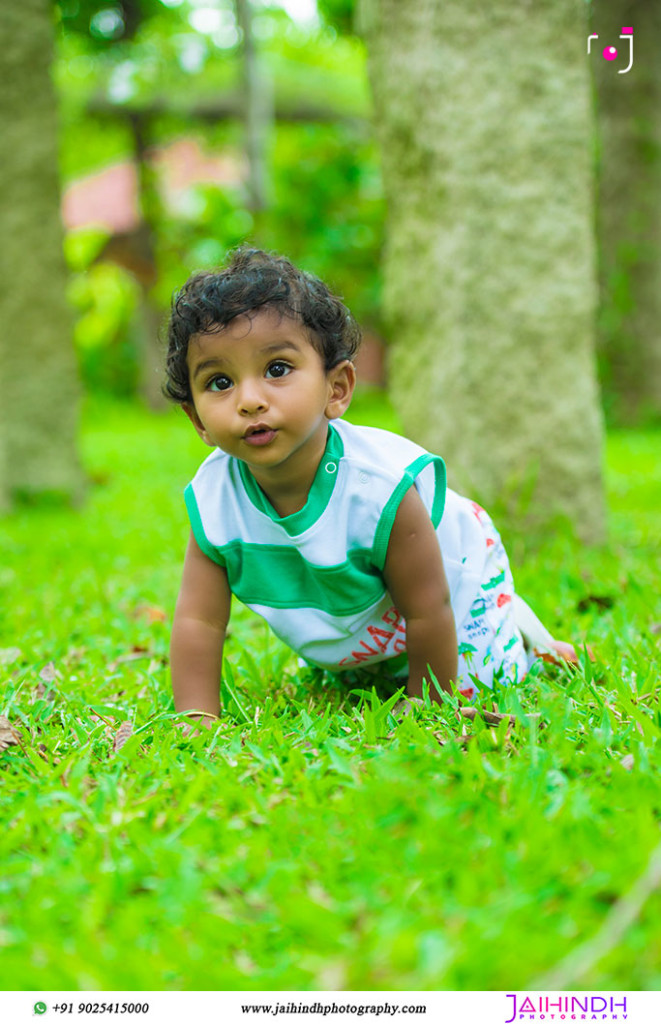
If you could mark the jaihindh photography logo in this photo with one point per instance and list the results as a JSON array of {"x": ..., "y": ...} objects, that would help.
[{"x": 583, "y": 1006}]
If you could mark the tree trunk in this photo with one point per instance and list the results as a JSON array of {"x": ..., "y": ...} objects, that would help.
[
  {"x": 629, "y": 209},
  {"x": 149, "y": 315},
  {"x": 484, "y": 119},
  {"x": 257, "y": 112},
  {"x": 40, "y": 391}
]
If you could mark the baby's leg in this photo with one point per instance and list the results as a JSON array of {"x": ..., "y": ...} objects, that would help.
[{"x": 491, "y": 646}]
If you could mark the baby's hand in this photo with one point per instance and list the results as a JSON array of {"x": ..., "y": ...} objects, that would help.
[{"x": 196, "y": 723}]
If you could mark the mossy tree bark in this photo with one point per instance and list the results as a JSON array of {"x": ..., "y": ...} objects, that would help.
[
  {"x": 484, "y": 118},
  {"x": 257, "y": 104},
  {"x": 629, "y": 207},
  {"x": 40, "y": 391}
]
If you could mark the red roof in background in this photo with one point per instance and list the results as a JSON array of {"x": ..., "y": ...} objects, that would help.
[{"x": 109, "y": 198}]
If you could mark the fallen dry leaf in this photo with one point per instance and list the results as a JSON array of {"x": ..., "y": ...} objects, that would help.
[
  {"x": 99, "y": 477},
  {"x": 8, "y": 655},
  {"x": 150, "y": 612},
  {"x": 49, "y": 673},
  {"x": 9, "y": 736},
  {"x": 134, "y": 654},
  {"x": 461, "y": 741},
  {"x": 43, "y": 692},
  {"x": 121, "y": 736},
  {"x": 627, "y": 762},
  {"x": 490, "y": 717},
  {"x": 76, "y": 653},
  {"x": 404, "y": 707}
]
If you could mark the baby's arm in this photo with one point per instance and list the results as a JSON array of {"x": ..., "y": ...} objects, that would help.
[
  {"x": 198, "y": 634},
  {"x": 415, "y": 577}
]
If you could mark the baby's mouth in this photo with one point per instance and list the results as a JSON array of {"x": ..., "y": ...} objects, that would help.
[{"x": 259, "y": 435}]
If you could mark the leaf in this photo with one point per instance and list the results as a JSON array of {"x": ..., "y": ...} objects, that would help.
[
  {"x": 136, "y": 652},
  {"x": 123, "y": 733},
  {"x": 490, "y": 717},
  {"x": 150, "y": 612},
  {"x": 461, "y": 741},
  {"x": 8, "y": 655},
  {"x": 49, "y": 673},
  {"x": 405, "y": 707},
  {"x": 76, "y": 653},
  {"x": 41, "y": 692},
  {"x": 9, "y": 736}
]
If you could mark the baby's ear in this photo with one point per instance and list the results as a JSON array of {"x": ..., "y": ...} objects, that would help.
[
  {"x": 191, "y": 412},
  {"x": 341, "y": 382}
]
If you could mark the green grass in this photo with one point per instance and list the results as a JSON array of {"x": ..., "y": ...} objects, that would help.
[{"x": 313, "y": 842}]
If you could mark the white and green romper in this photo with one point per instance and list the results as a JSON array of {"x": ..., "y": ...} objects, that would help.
[{"x": 317, "y": 576}]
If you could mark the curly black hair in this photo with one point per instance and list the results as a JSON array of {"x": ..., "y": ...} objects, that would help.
[{"x": 254, "y": 280}]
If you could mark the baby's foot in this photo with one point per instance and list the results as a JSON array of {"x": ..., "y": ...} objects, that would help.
[{"x": 562, "y": 652}]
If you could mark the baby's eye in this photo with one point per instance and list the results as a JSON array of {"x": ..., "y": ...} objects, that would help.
[
  {"x": 278, "y": 369},
  {"x": 219, "y": 383}
]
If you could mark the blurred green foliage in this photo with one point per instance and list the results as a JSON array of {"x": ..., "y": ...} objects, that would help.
[
  {"x": 339, "y": 14},
  {"x": 326, "y": 215},
  {"x": 105, "y": 298},
  {"x": 162, "y": 62}
]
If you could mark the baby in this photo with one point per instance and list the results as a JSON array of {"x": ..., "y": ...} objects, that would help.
[{"x": 344, "y": 538}]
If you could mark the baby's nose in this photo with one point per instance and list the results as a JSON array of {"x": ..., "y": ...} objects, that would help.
[{"x": 251, "y": 397}]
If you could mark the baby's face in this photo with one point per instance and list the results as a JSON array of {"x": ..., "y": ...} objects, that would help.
[{"x": 261, "y": 393}]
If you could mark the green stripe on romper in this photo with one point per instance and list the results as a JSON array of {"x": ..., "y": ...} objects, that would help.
[
  {"x": 280, "y": 577},
  {"x": 198, "y": 530},
  {"x": 387, "y": 519}
]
